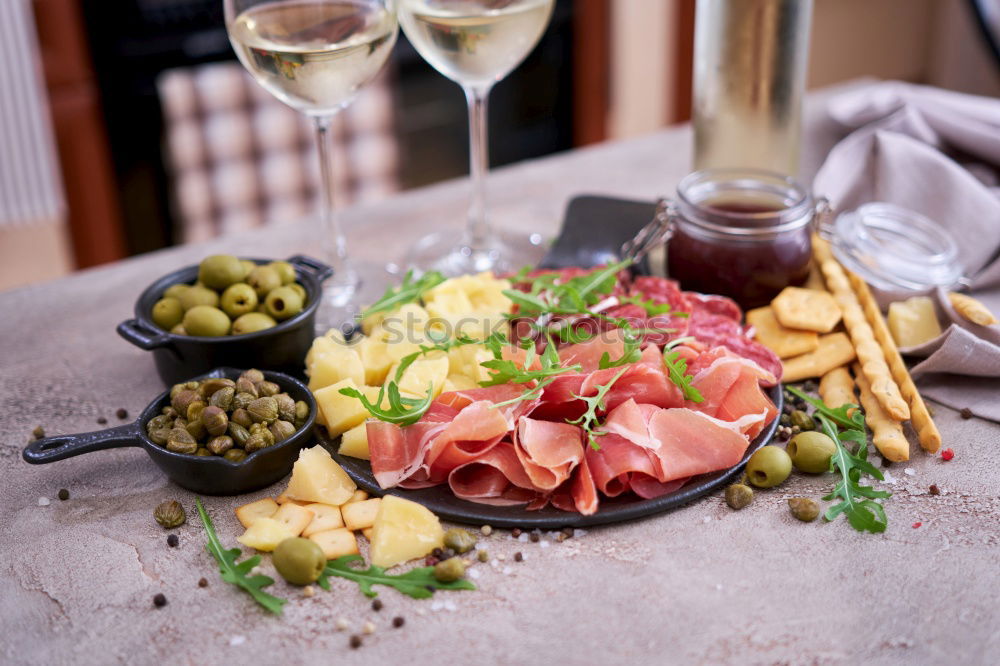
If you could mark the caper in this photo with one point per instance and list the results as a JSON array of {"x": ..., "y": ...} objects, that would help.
[
  {"x": 219, "y": 445},
  {"x": 181, "y": 441},
  {"x": 196, "y": 428},
  {"x": 263, "y": 410},
  {"x": 811, "y": 451},
  {"x": 242, "y": 417},
  {"x": 299, "y": 561},
  {"x": 183, "y": 398},
  {"x": 268, "y": 389},
  {"x": 209, "y": 387},
  {"x": 258, "y": 441},
  {"x": 252, "y": 375},
  {"x": 158, "y": 423},
  {"x": 802, "y": 420},
  {"x": 450, "y": 570},
  {"x": 242, "y": 400},
  {"x": 769, "y": 466},
  {"x": 194, "y": 410},
  {"x": 301, "y": 410},
  {"x": 183, "y": 386},
  {"x": 281, "y": 430},
  {"x": 160, "y": 437},
  {"x": 804, "y": 508},
  {"x": 286, "y": 407},
  {"x": 169, "y": 514},
  {"x": 215, "y": 420},
  {"x": 169, "y": 411},
  {"x": 459, "y": 540},
  {"x": 202, "y": 452},
  {"x": 738, "y": 496},
  {"x": 244, "y": 385},
  {"x": 239, "y": 434},
  {"x": 223, "y": 398},
  {"x": 235, "y": 455}
]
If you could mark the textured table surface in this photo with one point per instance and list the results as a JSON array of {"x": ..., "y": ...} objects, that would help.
[{"x": 702, "y": 584}]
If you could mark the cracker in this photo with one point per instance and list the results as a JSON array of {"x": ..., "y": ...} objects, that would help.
[
  {"x": 785, "y": 342},
  {"x": 972, "y": 309},
  {"x": 806, "y": 309},
  {"x": 834, "y": 350}
]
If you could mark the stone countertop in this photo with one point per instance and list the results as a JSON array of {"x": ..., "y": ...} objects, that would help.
[{"x": 701, "y": 584}]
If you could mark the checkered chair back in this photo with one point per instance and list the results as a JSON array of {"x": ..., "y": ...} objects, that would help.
[{"x": 238, "y": 158}]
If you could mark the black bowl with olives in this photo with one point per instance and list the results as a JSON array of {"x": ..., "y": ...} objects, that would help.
[
  {"x": 200, "y": 473},
  {"x": 274, "y": 345}
]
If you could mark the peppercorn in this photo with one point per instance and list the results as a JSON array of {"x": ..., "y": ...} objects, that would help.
[
  {"x": 534, "y": 537},
  {"x": 934, "y": 489},
  {"x": 102, "y": 421},
  {"x": 518, "y": 557},
  {"x": 122, "y": 414},
  {"x": 809, "y": 386},
  {"x": 38, "y": 432},
  {"x": 172, "y": 540},
  {"x": 438, "y": 553},
  {"x": 355, "y": 642},
  {"x": 159, "y": 600},
  {"x": 430, "y": 561},
  {"x": 398, "y": 621},
  {"x": 202, "y": 582},
  {"x": 63, "y": 494},
  {"x": 516, "y": 532},
  {"x": 483, "y": 556},
  {"x": 486, "y": 530},
  {"x": 966, "y": 413},
  {"x": 377, "y": 605}
]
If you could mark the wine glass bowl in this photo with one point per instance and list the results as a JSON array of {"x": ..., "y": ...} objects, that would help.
[
  {"x": 474, "y": 43},
  {"x": 315, "y": 56}
]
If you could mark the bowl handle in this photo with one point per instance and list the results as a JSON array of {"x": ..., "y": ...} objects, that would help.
[
  {"x": 141, "y": 335},
  {"x": 51, "y": 449},
  {"x": 315, "y": 266}
]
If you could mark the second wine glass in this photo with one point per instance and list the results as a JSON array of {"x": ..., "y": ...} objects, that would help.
[
  {"x": 315, "y": 55},
  {"x": 474, "y": 43}
]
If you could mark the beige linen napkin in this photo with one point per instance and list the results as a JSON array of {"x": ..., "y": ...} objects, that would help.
[{"x": 938, "y": 153}]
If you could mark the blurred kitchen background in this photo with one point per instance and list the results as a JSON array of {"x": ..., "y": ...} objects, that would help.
[{"x": 127, "y": 126}]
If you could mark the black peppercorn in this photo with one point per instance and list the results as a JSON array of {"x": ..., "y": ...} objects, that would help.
[
  {"x": 516, "y": 532},
  {"x": 518, "y": 557},
  {"x": 159, "y": 601},
  {"x": 377, "y": 605},
  {"x": 534, "y": 537},
  {"x": 934, "y": 490},
  {"x": 63, "y": 494},
  {"x": 398, "y": 621},
  {"x": 102, "y": 421},
  {"x": 122, "y": 414},
  {"x": 966, "y": 413},
  {"x": 172, "y": 540},
  {"x": 202, "y": 582},
  {"x": 355, "y": 642}
]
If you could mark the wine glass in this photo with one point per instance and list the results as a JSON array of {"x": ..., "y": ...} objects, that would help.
[
  {"x": 474, "y": 43},
  {"x": 315, "y": 55}
]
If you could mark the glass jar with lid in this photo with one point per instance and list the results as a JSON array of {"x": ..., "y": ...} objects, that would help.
[{"x": 742, "y": 233}]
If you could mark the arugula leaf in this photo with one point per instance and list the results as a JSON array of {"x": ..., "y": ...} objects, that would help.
[
  {"x": 631, "y": 352},
  {"x": 571, "y": 297},
  {"x": 418, "y": 583},
  {"x": 651, "y": 307},
  {"x": 589, "y": 287},
  {"x": 677, "y": 372},
  {"x": 409, "y": 291},
  {"x": 864, "y": 515},
  {"x": 236, "y": 572},
  {"x": 595, "y": 403},
  {"x": 840, "y": 416}
]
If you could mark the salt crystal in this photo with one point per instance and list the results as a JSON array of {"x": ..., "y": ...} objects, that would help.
[
  {"x": 579, "y": 533},
  {"x": 43, "y": 501},
  {"x": 909, "y": 471},
  {"x": 718, "y": 586},
  {"x": 524, "y": 557},
  {"x": 437, "y": 605},
  {"x": 342, "y": 624},
  {"x": 706, "y": 519},
  {"x": 523, "y": 538},
  {"x": 473, "y": 573},
  {"x": 237, "y": 640},
  {"x": 506, "y": 571},
  {"x": 494, "y": 563},
  {"x": 421, "y": 611},
  {"x": 544, "y": 544},
  {"x": 450, "y": 606},
  {"x": 501, "y": 557},
  {"x": 889, "y": 478}
]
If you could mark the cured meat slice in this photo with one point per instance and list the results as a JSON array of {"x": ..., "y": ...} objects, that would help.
[
  {"x": 616, "y": 463},
  {"x": 730, "y": 386},
  {"x": 397, "y": 453},
  {"x": 691, "y": 443},
  {"x": 649, "y": 487},
  {"x": 714, "y": 304},
  {"x": 718, "y": 330},
  {"x": 549, "y": 451},
  {"x": 495, "y": 477},
  {"x": 576, "y": 494},
  {"x": 588, "y": 354},
  {"x": 476, "y": 429}
]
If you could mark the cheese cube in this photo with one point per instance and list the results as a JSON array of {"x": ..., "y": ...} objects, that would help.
[
  {"x": 334, "y": 366},
  {"x": 913, "y": 322},
  {"x": 317, "y": 478},
  {"x": 343, "y": 412},
  {"x": 265, "y": 534},
  {"x": 403, "y": 531},
  {"x": 354, "y": 443}
]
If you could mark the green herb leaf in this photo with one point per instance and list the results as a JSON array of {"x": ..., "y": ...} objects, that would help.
[
  {"x": 864, "y": 515},
  {"x": 651, "y": 307},
  {"x": 418, "y": 583},
  {"x": 677, "y": 372},
  {"x": 840, "y": 416},
  {"x": 630, "y": 354},
  {"x": 409, "y": 291},
  {"x": 595, "y": 404},
  {"x": 236, "y": 572}
]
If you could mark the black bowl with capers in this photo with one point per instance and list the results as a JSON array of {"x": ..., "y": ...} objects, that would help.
[
  {"x": 208, "y": 474},
  {"x": 281, "y": 347}
]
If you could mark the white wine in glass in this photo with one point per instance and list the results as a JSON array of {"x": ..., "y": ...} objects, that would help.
[
  {"x": 474, "y": 43},
  {"x": 315, "y": 55}
]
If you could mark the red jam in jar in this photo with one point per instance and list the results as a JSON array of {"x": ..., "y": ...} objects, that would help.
[{"x": 740, "y": 233}]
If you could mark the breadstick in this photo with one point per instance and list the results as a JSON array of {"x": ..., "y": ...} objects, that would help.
[
  {"x": 971, "y": 309},
  {"x": 927, "y": 432},
  {"x": 887, "y": 435},
  {"x": 869, "y": 353},
  {"x": 836, "y": 388}
]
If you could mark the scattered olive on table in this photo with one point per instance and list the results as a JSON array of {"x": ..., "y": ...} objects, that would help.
[
  {"x": 299, "y": 561},
  {"x": 231, "y": 297},
  {"x": 811, "y": 452},
  {"x": 768, "y": 466}
]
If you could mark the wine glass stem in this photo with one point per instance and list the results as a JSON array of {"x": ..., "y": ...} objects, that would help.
[
  {"x": 344, "y": 277},
  {"x": 479, "y": 163}
]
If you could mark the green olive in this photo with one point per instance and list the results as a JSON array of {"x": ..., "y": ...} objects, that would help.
[
  {"x": 179, "y": 330},
  {"x": 803, "y": 508},
  {"x": 300, "y": 290},
  {"x": 251, "y": 322},
  {"x": 203, "y": 320},
  {"x": 175, "y": 290},
  {"x": 220, "y": 270},
  {"x": 239, "y": 299},
  {"x": 283, "y": 303},
  {"x": 285, "y": 270},
  {"x": 196, "y": 296},
  {"x": 811, "y": 451},
  {"x": 263, "y": 279},
  {"x": 299, "y": 561},
  {"x": 247, "y": 267},
  {"x": 769, "y": 466},
  {"x": 167, "y": 313}
]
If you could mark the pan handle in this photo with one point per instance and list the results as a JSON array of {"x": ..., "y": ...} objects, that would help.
[
  {"x": 141, "y": 335},
  {"x": 320, "y": 270},
  {"x": 51, "y": 449}
]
